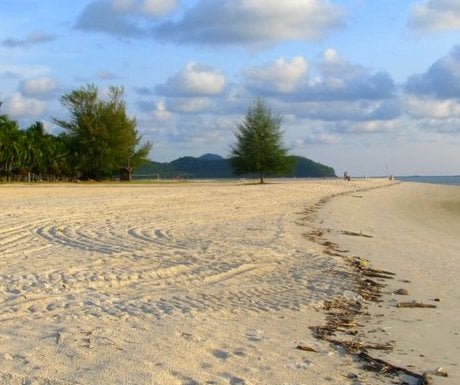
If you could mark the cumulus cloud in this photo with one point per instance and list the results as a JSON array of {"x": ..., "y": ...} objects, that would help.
[
  {"x": 253, "y": 22},
  {"x": 126, "y": 18},
  {"x": 430, "y": 108},
  {"x": 435, "y": 15},
  {"x": 17, "y": 106},
  {"x": 32, "y": 39},
  {"x": 41, "y": 88},
  {"x": 194, "y": 80},
  {"x": 340, "y": 80},
  {"x": 332, "y": 79},
  {"x": 441, "y": 81},
  {"x": 279, "y": 76}
]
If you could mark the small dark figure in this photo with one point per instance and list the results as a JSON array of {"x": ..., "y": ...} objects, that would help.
[{"x": 346, "y": 176}]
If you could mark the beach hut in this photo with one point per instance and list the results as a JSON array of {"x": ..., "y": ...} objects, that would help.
[{"x": 126, "y": 174}]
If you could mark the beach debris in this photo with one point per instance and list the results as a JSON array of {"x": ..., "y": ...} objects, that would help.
[
  {"x": 341, "y": 328},
  {"x": 381, "y": 366},
  {"x": 352, "y": 376},
  {"x": 356, "y": 347},
  {"x": 401, "y": 292},
  {"x": 415, "y": 304},
  {"x": 437, "y": 299},
  {"x": 355, "y": 234},
  {"x": 440, "y": 372},
  {"x": 374, "y": 273},
  {"x": 306, "y": 348}
]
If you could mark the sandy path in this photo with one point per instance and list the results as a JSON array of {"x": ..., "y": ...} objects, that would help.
[
  {"x": 165, "y": 284},
  {"x": 415, "y": 231}
]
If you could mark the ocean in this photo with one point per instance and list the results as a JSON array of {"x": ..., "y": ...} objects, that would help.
[{"x": 449, "y": 180}]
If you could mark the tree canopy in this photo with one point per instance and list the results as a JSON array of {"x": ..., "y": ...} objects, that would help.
[
  {"x": 100, "y": 136},
  {"x": 259, "y": 147},
  {"x": 97, "y": 140}
]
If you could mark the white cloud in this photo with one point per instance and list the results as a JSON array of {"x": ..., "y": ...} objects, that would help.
[
  {"x": 33, "y": 38},
  {"x": 431, "y": 108},
  {"x": 24, "y": 71},
  {"x": 20, "y": 107},
  {"x": 126, "y": 18},
  {"x": 194, "y": 80},
  {"x": 441, "y": 80},
  {"x": 435, "y": 15},
  {"x": 280, "y": 75},
  {"x": 43, "y": 87},
  {"x": 149, "y": 7},
  {"x": 335, "y": 80},
  {"x": 250, "y": 22},
  {"x": 189, "y": 105},
  {"x": 161, "y": 112},
  {"x": 372, "y": 126}
]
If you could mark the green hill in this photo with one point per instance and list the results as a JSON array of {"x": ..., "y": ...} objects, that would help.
[{"x": 211, "y": 166}]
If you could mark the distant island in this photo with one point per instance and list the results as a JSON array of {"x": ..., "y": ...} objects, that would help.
[{"x": 215, "y": 167}]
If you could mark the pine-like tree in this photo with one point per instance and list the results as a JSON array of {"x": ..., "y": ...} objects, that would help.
[{"x": 259, "y": 147}]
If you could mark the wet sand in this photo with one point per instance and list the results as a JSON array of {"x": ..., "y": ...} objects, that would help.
[{"x": 414, "y": 232}]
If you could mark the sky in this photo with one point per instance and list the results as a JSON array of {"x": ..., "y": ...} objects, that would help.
[{"x": 371, "y": 87}]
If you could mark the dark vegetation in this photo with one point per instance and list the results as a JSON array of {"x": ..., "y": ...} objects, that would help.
[
  {"x": 210, "y": 166},
  {"x": 98, "y": 139}
]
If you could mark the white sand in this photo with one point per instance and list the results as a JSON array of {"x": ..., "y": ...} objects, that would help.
[
  {"x": 166, "y": 284},
  {"x": 416, "y": 234}
]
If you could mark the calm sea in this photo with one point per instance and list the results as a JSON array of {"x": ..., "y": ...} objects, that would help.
[{"x": 450, "y": 180}]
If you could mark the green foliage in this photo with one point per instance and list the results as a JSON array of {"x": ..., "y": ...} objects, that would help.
[
  {"x": 100, "y": 137},
  {"x": 11, "y": 153},
  {"x": 29, "y": 153},
  {"x": 304, "y": 167},
  {"x": 258, "y": 147},
  {"x": 214, "y": 166}
]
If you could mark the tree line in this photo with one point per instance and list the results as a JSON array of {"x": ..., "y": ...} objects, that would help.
[
  {"x": 96, "y": 141},
  {"x": 99, "y": 139}
]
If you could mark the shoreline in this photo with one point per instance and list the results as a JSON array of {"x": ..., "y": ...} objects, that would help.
[{"x": 401, "y": 228}]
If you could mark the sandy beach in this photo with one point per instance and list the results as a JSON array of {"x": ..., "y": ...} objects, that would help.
[
  {"x": 215, "y": 283},
  {"x": 412, "y": 230}
]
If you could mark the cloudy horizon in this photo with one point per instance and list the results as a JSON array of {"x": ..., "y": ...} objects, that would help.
[{"x": 368, "y": 87}]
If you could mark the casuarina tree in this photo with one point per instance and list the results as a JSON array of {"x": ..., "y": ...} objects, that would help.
[
  {"x": 259, "y": 149},
  {"x": 100, "y": 137}
]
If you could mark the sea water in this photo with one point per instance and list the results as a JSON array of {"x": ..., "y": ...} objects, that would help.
[{"x": 449, "y": 180}]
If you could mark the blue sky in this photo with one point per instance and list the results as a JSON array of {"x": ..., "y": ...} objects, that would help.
[{"x": 371, "y": 87}]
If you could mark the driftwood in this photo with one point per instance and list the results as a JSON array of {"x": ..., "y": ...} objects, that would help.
[
  {"x": 382, "y": 366},
  {"x": 306, "y": 348},
  {"x": 415, "y": 304},
  {"x": 346, "y": 232}
]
